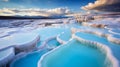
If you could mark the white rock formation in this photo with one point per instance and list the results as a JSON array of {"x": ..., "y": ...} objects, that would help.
[
  {"x": 60, "y": 40},
  {"x": 110, "y": 59},
  {"x": 6, "y": 56}
]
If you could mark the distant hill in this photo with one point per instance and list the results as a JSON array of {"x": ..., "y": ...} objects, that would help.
[{"x": 31, "y": 17}]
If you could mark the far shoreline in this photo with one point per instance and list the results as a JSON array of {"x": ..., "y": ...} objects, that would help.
[{"x": 30, "y": 17}]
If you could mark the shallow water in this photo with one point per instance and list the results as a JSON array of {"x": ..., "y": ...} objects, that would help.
[
  {"x": 30, "y": 60},
  {"x": 53, "y": 43},
  {"x": 46, "y": 33},
  {"x": 114, "y": 47},
  {"x": 116, "y": 30},
  {"x": 65, "y": 36},
  {"x": 116, "y": 36},
  {"x": 74, "y": 54}
]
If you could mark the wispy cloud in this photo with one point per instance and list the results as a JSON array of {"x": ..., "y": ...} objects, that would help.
[
  {"x": 34, "y": 12},
  {"x": 104, "y": 5},
  {"x": 5, "y": 0}
]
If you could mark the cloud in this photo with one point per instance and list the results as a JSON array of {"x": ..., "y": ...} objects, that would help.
[
  {"x": 34, "y": 12},
  {"x": 5, "y": 0},
  {"x": 103, "y": 5}
]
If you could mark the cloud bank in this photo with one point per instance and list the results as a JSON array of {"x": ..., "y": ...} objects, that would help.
[
  {"x": 104, "y": 5},
  {"x": 34, "y": 12}
]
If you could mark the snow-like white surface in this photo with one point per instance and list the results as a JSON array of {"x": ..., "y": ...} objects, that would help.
[
  {"x": 24, "y": 33},
  {"x": 17, "y": 39},
  {"x": 6, "y": 56},
  {"x": 32, "y": 22},
  {"x": 6, "y": 52},
  {"x": 110, "y": 22}
]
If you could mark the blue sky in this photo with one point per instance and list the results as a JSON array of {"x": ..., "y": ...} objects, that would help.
[
  {"x": 73, "y": 5},
  {"x": 56, "y": 7}
]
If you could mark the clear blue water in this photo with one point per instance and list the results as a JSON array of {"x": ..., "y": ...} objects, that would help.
[
  {"x": 53, "y": 43},
  {"x": 39, "y": 43},
  {"x": 114, "y": 47},
  {"x": 46, "y": 33},
  {"x": 30, "y": 60},
  {"x": 116, "y": 30},
  {"x": 74, "y": 54},
  {"x": 49, "y": 32},
  {"x": 65, "y": 36},
  {"x": 116, "y": 36}
]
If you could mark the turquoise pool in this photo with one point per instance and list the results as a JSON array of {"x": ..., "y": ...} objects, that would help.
[
  {"x": 53, "y": 43},
  {"x": 48, "y": 32},
  {"x": 74, "y": 54},
  {"x": 114, "y": 47},
  {"x": 29, "y": 60},
  {"x": 65, "y": 36},
  {"x": 116, "y": 30},
  {"x": 116, "y": 36}
]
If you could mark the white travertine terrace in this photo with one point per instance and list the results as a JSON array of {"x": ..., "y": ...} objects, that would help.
[
  {"x": 16, "y": 43},
  {"x": 44, "y": 55},
  {"x": 60, "y": 40},
  {"x": 29, "y": 44},
  {"x": 6, "y": 56},
  {"x": 44, "y": 44},
  {"x": 19, "y": 40},
  {"x": 110, "y": 59},
  {"x": 113, "y": 39},
  {"x": 109, "y": 22},
  {"x": 110, "y": 30},
  {"x": 109, "y": 36}
]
